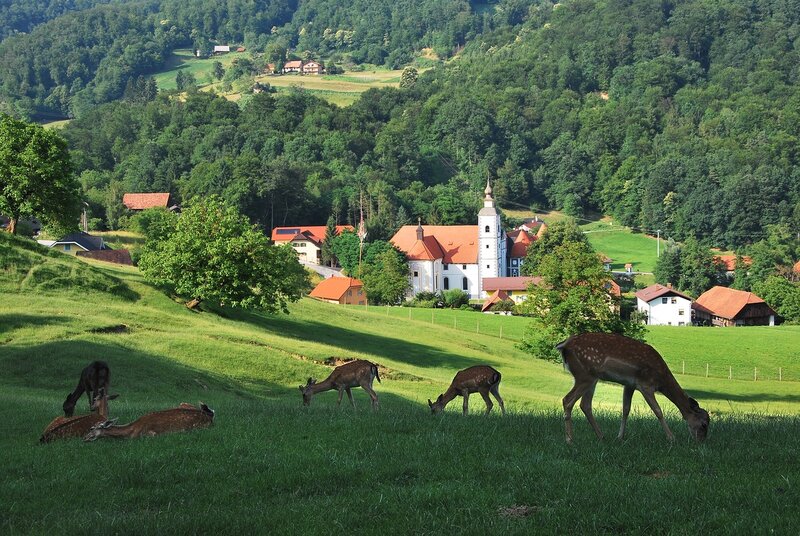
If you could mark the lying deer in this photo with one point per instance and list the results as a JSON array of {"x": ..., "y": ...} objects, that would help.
[
  {"x": 343, "y": 378},
  {"x": 65, "y": 427},
  {"x": 481, "y": 378},
  {"x": 591, "y": 357},
  {"x": 184, "y": 417},
  {"x": 94, "y": 377}
]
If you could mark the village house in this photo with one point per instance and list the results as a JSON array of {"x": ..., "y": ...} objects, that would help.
[
  {"x": 294, "y": 66},
  {"x": 513, "y": 288},
  {"x": 341, "y": 290},
  {"x": 723, "y": 306},
  {"x": 222, "y": 49},
  {"x": 311, "y": 67},
  {"x": 728, "y": 263},
  {"x": 72, "y": 243},
  {"x": 664, "y": 306},
  {"x": 139, "y": 202},
  {"x": 306, "y": 240}
]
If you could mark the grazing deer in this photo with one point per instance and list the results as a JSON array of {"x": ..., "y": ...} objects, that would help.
[
  {"x": 94, "y": 377},
  {"x": 591, "y": 357},
  {"x": 353, "y": 374},
  {"x": 184, "y": 417},
  {"x": 65, "y": 427},
  {"x": 481, "y": 378}
]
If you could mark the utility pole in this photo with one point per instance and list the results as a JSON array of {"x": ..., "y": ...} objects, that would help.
[{"x": 658, "y": 243}]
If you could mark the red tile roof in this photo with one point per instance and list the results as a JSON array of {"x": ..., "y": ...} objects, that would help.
[
  {"x": 656, "y": 291},
  {"x": 520, "y": 240},
  {"x": 796, "y": 267},
  {"x": 726, "y": 302},
  {"x": 458, "y": 243},
  {"x": 294, "y": 64},
  {"x": 145, "y": 201},
  {"x": 729, "y": 261},
  {"x": 314, "y": 232},
  {"x": 427, "y": 249},
  {"x": 497, "y": 297},
  {"x": 509, "y": 283},
  {"x": 613, "y": 288},
  {"x": 333, "y": 288}
]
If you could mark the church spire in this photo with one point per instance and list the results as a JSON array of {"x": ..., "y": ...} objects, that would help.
[{"x": 420, "y": 230}]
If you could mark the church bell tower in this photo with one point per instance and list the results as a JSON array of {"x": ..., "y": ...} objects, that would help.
[{"x": 491, "y": 240}]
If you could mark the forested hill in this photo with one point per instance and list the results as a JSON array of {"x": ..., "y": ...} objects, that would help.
[
  {"x": 86, "y": 57},
  {"x": 681, "y": 117}
]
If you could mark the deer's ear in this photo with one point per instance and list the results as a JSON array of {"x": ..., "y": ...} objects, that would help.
[{"x": 430, "y": 403}]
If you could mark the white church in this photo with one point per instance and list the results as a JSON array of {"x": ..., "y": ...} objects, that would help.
[{"x": 443, "y": 257}]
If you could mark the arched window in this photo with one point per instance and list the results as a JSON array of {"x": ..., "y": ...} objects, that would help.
[
  {"x": 446, "y": 283},
  {"x": 486, "y": 230},
  {"x": 465, "y": 283}
]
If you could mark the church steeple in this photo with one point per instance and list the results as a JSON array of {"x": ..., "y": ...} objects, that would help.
[
  {"x": 491, "y": 239},
  {"x": 420, "y": 230}
]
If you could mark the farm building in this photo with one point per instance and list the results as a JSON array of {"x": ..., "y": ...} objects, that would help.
[
  {"x": 664, "y": 306},
  {"x": 294, "y": 66},
  {"x": 341, "y": 290},
  {"x": 722, "y": 306},
  {"x": 306, "y": 240},
  {"x": 514, "y": 288},
  {"x": 312, "y": 67},
  {"x": 222, "y": 49},
  {"x": 75, "y": 242},
  {"x": 137, "y": 202}
]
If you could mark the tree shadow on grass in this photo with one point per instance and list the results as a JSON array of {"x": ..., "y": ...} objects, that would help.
[
  {"x": 10, "y": 322},
  {"x": 349, "y": 340},
  {"x": 738, "y": 397}
]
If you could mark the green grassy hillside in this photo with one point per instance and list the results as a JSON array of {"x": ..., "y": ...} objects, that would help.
[{"x": 269, "y": 465}]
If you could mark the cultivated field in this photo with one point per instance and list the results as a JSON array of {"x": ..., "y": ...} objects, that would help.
[{"x": 270, "y": 465}]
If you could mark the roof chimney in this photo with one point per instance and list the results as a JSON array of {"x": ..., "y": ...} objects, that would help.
[{"x": 420, "y": 230}]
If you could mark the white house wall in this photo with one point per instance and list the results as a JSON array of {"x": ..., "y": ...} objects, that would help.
[{"x": 667, "y": 314}]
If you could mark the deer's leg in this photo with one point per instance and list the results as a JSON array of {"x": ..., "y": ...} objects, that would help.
[
  {"x": 650, "y": 397},
  {"x": 586, "y": 407},
  {"x": 350, "y": 396},
  {"x": 627, "y": 395},
  {"x": 372, "y": 395},
  {"x": 339, "y": 401},
  {"x": 489, "y": 404},
  {"x": 495, "y": 389},
  {"x": 569, "y": 402},
  {"x": 465, "y": 396}
]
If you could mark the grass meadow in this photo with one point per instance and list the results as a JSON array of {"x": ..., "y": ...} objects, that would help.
[{"x": 269, "y": 465}]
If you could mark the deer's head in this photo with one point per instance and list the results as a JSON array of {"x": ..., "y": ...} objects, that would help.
[
  {"x": 698, "y": 420},
  {"x": 97, "y": 430},
  {"x": 307, "y": 391},
  {"x": 100, "y": 402},
  {"x": 437, "y": 406}
]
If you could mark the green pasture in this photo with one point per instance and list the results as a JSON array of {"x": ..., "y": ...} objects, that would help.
[
  {"x": 623, "y": 246},
  {"x": 269, "y": 465},
  {"x": 201, "y": 68}
]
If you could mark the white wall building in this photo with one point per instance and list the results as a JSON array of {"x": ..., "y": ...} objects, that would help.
[
  {"x": 443, "y": 257},
  {"x": 664, "y": 306}
]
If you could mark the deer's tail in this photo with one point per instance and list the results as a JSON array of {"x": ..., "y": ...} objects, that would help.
[{"x": 375, "y": 372}]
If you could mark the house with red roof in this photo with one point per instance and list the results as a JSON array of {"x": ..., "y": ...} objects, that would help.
[
  {"x": 294, "y": 66},
  {"x": 443, "y": 257},
  {"x": 728, "y": 263},
  {"x": 514, "y": 288},
  {"x": 664, "y": 306},
  {"x": 306, "y": 240},
  {"x": 723, "y": 306},
  {"x": 342, "y": 290},
  {"x": 143, "y": 201}
]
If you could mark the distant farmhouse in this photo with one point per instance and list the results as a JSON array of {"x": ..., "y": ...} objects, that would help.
[
  {"x": 306, "y": 240},
  {"x": 664, "y": 306},
  {"x": 75, "y": 242},
  {"x": 342, "y": 290},
  {"x": 139, "y": 202},
  {"x": 303, "y": 67},
  {"x": 722, "y": 306}
]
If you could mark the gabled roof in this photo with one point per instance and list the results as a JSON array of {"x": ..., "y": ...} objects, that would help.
[
  {"x": 613, "y": 288},
  {"x": 509, "y": 283},
  {"x": 294, "y": 64},
  {"x": 727, "y": 302},
  {"x": 496, "y": 297},
  {"x": 333, "y": 288},
  {"x": 315, "y": 233},
  {"x": 82, "y": 240},
  {"x": 458, "y": 243},
  {"x": 729, "y": 261},
  {"x": 520, "y": 240},
  {"x": 145, "y": 201},
  {"x": 657, "y": 291},
  {"x": 427, "y": 249}
]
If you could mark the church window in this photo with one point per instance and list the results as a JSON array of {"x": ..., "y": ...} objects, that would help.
[
  {"x": 416, "y": 274},
  {"x": 463, "y": 266},
  {"x": 446, "y": 283},
  {"x": 487, "y": 246},
  {"x": 465, "y": 283},
  {"x": 487, "y": 229}
]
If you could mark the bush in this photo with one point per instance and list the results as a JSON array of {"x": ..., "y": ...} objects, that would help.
[{"x": 455, "y": 298}]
